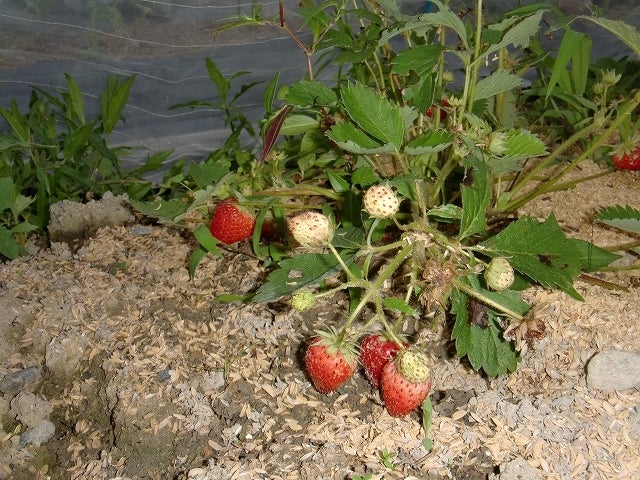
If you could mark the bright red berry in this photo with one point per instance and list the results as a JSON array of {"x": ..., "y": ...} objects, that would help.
[
  {"x": 405, "y": 382},
  {"x": 628, "y": 159},
  {"x": 230, "y": 223},
  {"x": 375, "y": 352},
  {"x": 330, "y": 362}
]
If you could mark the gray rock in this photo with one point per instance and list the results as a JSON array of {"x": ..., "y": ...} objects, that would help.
[
  {"x": 14, "y": 382},
  {"x": 29, "y": 409},
  {"x": 73, "y": 220},
  {"x": 64, "y": 353},
  {"x": 516, "y": 469},
  {"x": 41, "y": 433},
  {"x": 614, "y": 370}
]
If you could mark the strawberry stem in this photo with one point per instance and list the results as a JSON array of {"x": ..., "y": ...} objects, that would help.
[{"x": 548, "y": 185}]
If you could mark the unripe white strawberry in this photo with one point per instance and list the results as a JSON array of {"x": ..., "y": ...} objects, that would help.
[
  {"x": 499, "y": 274},
  {"x": 381, "y": 202},
  {"x": 311, "y": 229},
  {"x": 303, "y": 300}
]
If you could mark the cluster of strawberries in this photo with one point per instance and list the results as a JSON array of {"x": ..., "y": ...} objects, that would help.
[{"x": 400, "y": 372}]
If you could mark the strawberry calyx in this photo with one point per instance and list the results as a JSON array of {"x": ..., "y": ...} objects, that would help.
[{"x": 337, "y": 343}]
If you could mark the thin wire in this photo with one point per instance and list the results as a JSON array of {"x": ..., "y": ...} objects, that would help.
[{"x": 139, "y": 40}]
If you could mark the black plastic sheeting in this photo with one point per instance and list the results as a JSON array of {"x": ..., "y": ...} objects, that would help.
[{"x": 165, "y": 44}]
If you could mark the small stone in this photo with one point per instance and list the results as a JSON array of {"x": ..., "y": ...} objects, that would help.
[
  {"x": 14, "y": 382},
  {"x": 164, "y": 375},
  {"x": 516, "y": 469},
  {"x": 614, "y": 370},
  {"x": 30, "y": 409},
  {"x": 64, "y": 353},
  {"x": 41, "y": 433}
]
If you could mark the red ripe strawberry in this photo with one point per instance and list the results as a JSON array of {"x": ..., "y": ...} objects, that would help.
[
  {"x": 375, "y": 352},
  {"x": 231, "y": 224},
  {"x": 627, "y": 159},
  {"x": 444, "y": 104},
  {"x": 405, "y": 382},
  {"x": 330, "y": 361}
]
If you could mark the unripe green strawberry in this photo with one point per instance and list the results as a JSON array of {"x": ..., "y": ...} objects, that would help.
[
  {"x": 381, "y": 202},
  {"x": 303, "y": 300},
  {"x": 405, "y": 382},
  {"x": 311, "y": 229},
  {"x": 499, "y": 274}
]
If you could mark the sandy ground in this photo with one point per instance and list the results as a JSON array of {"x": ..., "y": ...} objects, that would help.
[{"x": 115, "y": 365}]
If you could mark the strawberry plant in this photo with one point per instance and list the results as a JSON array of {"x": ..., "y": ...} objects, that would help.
[{"x": 413, "y": 215}]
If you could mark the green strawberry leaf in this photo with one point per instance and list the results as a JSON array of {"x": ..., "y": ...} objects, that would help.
[
  {"x": 306, "y": 93},
  {"x": 206, "y": 240},
  {"x": 350, "y": 138},
  {"x": 7, "y": 193},
  {"x": 509, "y": 299},
  {"x": 9, "y": 247},
  {"x": 194, "y": 260},
  {"x": 518, "y": 34},
  {"x": 593, "y": 258},
  {"x": 420, "y": 59},
  {"x": 427, "y": 417},
  {"x": 623, "y": 217},
  {"x": 298, "y": 124},
  {"x": 420, "y": 24},
  {"x": 446, "y": 212},
  {"x": 430, "y": 142},
  {"x": 540, "y": 251},
  {"x": 164, "y": 211},
  {"x": 376, "y": 115},
  {"x": 485, "y": 347},
  {"x": 625, "y": 32},
  {"x": 297, "y": 272},
  {"x": 399, "y": 305},
  {"x": 476, "y": 195},
  {"x": 499, "y": 81},
  {"x": 519, "y": 145}
]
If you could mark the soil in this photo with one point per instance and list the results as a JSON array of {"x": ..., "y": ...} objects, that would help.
[{"x": 114, "y": 364}]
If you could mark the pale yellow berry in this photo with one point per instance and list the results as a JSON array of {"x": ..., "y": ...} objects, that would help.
[
  {"x": 311, "y": 229},
  {"x": 381, "y": 202}
]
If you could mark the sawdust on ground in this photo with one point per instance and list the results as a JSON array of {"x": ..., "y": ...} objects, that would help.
[{"x": 148, "y": 377}]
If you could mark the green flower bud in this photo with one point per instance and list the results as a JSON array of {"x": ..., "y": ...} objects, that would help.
[{"x": 610, "y": 77}]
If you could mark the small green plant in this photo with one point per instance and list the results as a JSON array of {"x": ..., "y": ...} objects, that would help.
[
  {"x": 53, "y": 152},
  {"x": 386, "y": 459}
]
